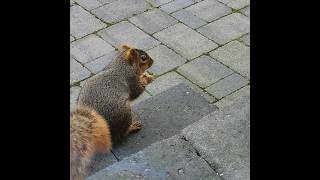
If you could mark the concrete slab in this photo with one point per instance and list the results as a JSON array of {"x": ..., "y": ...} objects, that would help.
[
  {"x": 172, "y": 158},
  {"x": 163, "y": 116},
  {"x": 223, "y": 139}
]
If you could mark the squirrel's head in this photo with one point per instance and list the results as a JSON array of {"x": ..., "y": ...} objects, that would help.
[{"x": 137, "y": 58}]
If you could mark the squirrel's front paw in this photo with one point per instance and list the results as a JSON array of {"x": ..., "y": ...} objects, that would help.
[{"x": 146, "y": 78}]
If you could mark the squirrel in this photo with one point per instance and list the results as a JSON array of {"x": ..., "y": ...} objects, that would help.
[
  {"x": 103, "y": 114},
  {"x": 89, "y": 134}
]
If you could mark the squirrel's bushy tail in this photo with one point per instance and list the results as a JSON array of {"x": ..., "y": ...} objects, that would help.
[{"x": 89, "y": 134}]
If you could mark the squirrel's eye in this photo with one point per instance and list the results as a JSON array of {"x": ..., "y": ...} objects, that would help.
[{"x": 143, "y": 57}]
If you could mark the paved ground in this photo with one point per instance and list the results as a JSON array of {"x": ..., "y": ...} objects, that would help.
[{"x": 202, "y": 43}]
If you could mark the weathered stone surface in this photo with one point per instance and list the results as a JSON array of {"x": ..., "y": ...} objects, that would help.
[
  {"x": 89, "y": 4},
  {"x": 163, "y": 116},
  {"x": 172, "y": 79},
  {"x": 126, "y": 33},
  {"x": 176, "y": 5},
  {"x": 209, "y": 10},
  {"x": 106, "y": 1},
  {"x": 121, "y": 9},
  {"x": 227, "y": 85},
  {"x": 223, "y": 139},
  {"x": 227, "y": 28},
  {"x": 98, "y": 64},
  {"x": 74, "y": 92},
  {"x": 164, "y": 60},
  {"x": 153, "y": 21},
  {"x": 172, "y": 158},
  {"x": 99, "y": 162},
  {"x": 238, "y": 4},
  {"x": 89, "y": 48},
  {"x": 82, "y": 22},
  {"x": 157, "y": 3},
  {"x": 246, "y": 39},
  {"x": 246, "y": 11},
  {"x": 188, "y": 19},
  {"x": 204, "y": 71},
  {"x": 230, "y": 99},
  {"x": 236, "y": 56},
  {"x": 185, "y": 41},
  {"x": 77, "y": 71}
]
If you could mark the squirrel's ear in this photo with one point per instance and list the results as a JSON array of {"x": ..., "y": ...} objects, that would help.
[
  {"x": 124, "y": 47},
  {"x": 130, "y": 55}
]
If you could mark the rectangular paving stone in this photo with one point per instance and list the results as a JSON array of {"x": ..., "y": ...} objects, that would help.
[
  {"x": 157, "y": 3},
  {"x": 153, "y": 21},
  {"x": 74, "y": 93},
  {"x": 235, "y": 55},
  {"x": 126, "y": 33},
  {"x": 77, "y": 71},
  {"x": 227, "y": 85},
  {"x": 82, "y": 22},
  {"x": 89, "y": 48},
  {"x": 227, "y": 28},
  {"x": 246, "y": 39},
  {"x": 204, "y": 71},
  {"x": 106, "y": 1},
  {"x": 185, "y": 41},
  {"x": 172, "y": 158},
  {"x": 176, "y": 5},
  {"x": 100, "y": 63},
  {"x": 246, "y": 11},
  {"x": 88, "y": 4},
  {"x": 163, "y": 116},
  {"x": 164, "y": 60},
  {"x": 209, "y": 10},
  {"x": 230, "y": 99},
  {"x": 223, "y": 139},
  {"x": 188, "y": 19},
  {"x": 236, "y": 4},
  {"x": 172, "y": 79},
  {"x": 121, "y": 9}
]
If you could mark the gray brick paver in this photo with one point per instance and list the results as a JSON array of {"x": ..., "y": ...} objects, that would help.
[
  {"x": 126, "y": 33},
  {"x": 153, "y": 21},
  {"x": 188, "y": 19},
  {"x": 82, "y": 22},
  {"x": 89, "y": 48},
  {"x": 121, "y": 9},
  {"x": 209, "y": 10},
  {"x": 204, "y": 71},
  {"x": 227, "y": 28},
  {"x": 227, "y": 85},
  {"x": 235, "y": 55},
  {"x": 164, "y": 60},
  {"x": 176, "y": 5},
  {"x": 185, "y": 41},
  {"x": 77, "y": 71}
]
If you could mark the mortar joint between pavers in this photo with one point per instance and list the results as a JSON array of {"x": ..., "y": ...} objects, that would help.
[
  {"x": 232, "y": 93},
  {"x": 228, "y": 65},
  {"x": 212, "y": 166},
  {"x": 202, "y": 89}
]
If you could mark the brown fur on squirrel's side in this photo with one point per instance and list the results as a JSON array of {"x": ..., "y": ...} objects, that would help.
[
  {"x": 110, "y": 91},
  {"x": 89, "y": 134}
]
